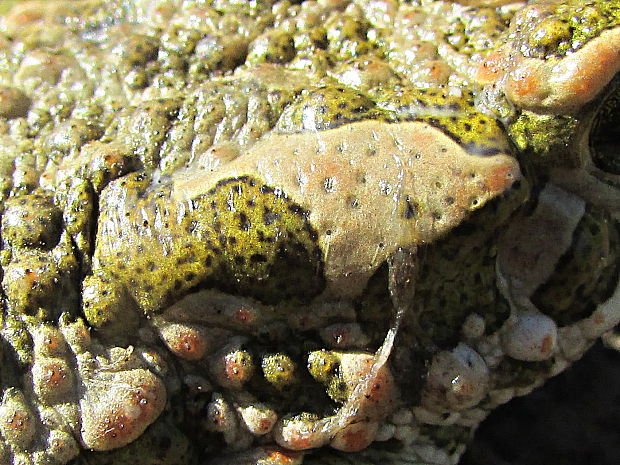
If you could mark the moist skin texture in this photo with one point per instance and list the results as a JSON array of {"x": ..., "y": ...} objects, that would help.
[{"x": 272, "y": 233}]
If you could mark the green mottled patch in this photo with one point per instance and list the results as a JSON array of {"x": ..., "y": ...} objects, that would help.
[
  {"x": 347, "y": 37},
  {"x": 145, "y": 130},
  {"x": 272, "y": 47},
  {"x": 31, "y": 220},
  {"x": 16, "y": 333},
  {"x": 456, "y": 115},
  {"x": 327, "y": 108},
  {"x": 105, "y": 305},
  {"x": 586, "y": 274},
  {"x": 458, "y": 275},
  {"x": 268, "y": 248},
  {"x": 241, "y": 236},
  {"x": 570, "y": 27},
  {"x": 312, "y": 39},
  {"x": 543, "y": 137},
  {"x": 476, "y": 30},
  {"x": 136, "y": 50},
  {"x": 324, "y": 366},
  {"x": 41, "y": 282},
  {"x": 279, "y": 370}
]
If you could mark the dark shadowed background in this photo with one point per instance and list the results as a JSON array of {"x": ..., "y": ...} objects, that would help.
[{"x": 574, "y": 419}]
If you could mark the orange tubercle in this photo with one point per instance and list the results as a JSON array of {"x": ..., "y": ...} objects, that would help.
[
  {"x": 492, "y": 68},
  {"x": 189, "y": 344},
  {"x": 355, "y": 437}
]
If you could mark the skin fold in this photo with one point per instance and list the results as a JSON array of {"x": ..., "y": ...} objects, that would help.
[{"x": 281, "y": 232}]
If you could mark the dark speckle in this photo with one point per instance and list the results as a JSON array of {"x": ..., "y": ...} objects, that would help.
[{"x": 411, "y": 210}]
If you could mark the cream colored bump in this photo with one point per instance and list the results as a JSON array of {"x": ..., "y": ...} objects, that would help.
[
  {"x": 118, "y": 407},
  {"x": 401, "y": 174},
  {"x": 17, "y": 423},
  {"x": 530, "y": 336},
  {"x": 258, "y": 418},
  {"x": 457, "y": 379},
  {"x": 355, "y": 437}
]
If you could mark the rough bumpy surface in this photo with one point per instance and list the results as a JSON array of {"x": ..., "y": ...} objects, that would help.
[{"x": 279, "y": 232}]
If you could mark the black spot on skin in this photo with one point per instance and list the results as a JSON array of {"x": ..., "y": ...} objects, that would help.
[
  {"x": 192, "y": 227},
  {"x": 258, "y": 258},
  {"x": 244, "y": 222},
  {"x": 239, "y": 260},
  {"x": 314, "y": 236},
  {"x": 265, "y": 189},
  {"x": 293, "y": 208},
  {"x": 411, "y": 211},
  {"x": 270, "y": 217}
]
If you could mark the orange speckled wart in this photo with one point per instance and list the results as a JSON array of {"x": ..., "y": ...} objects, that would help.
[{"x": 286, "y": 232}]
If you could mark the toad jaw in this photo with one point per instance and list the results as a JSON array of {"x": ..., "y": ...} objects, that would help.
[{"x": 370, "y": 187}]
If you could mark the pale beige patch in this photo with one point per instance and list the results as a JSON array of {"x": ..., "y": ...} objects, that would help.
[{"x": 370, "y": 187}]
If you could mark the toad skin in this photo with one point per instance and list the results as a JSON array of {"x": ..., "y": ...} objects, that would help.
[{"x": 308, "y": 232}]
